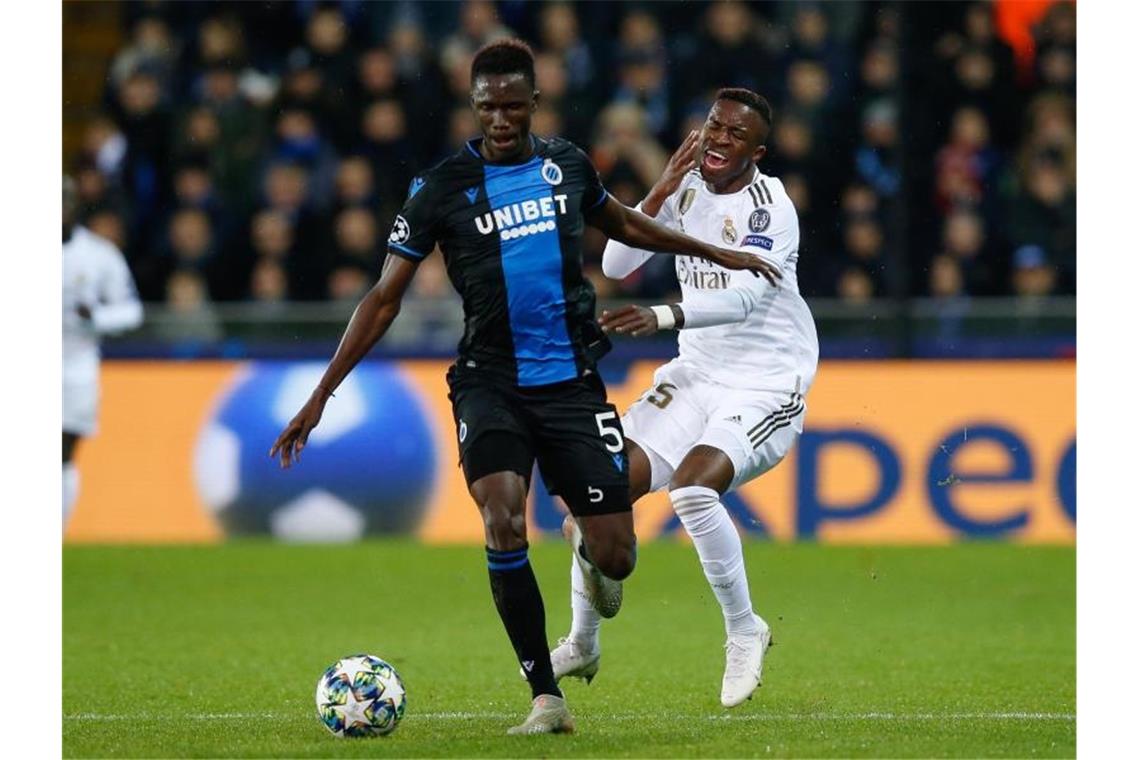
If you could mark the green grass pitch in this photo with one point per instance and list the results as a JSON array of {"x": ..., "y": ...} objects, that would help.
[{"x": 964, "y": 651}]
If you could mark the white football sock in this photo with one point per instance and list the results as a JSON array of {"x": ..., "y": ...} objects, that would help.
[
  {"x": 70, "y": 489},
  {"x": 722, "y": 555},
  {"x": 585, "y": 622}
]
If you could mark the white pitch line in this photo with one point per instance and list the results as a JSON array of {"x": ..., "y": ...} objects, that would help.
[
  {"x": 867, "y": 716},
  {"x": 173, "y": 717}
]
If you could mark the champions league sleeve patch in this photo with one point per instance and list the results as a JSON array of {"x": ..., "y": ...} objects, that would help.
[
  {"x": 758, "y": 240},
  {"x": 759, "y": 220},
  {"x": 400, "y": 231}
]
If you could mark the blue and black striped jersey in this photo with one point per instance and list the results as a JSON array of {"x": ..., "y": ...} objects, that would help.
[{"x": 511, "y": 239}]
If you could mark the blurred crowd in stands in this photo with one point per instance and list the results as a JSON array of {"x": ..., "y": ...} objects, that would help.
[{"x": 259, "y": 151}]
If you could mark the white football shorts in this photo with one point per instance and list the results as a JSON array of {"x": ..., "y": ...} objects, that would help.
[
  {"x": 80, "y": 407},
  {"x": 756, "y": 429}
]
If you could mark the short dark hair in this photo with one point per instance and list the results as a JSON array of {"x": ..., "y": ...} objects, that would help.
[
  {"x": 510, "y": 56},
  {"x": 753, "y": 100}
]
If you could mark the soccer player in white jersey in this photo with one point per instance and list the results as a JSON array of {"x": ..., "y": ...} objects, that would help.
[
  {"x": 99, "y": 298},
  {"x": 731, "y": 405}
]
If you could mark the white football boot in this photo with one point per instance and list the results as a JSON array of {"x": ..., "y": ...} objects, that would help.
[
  {"x": 744, "y": 663},
  {"x": 604, "y": 594},
  {"x": 549, "y": 715},
  {"x": 570, "y": 659}
]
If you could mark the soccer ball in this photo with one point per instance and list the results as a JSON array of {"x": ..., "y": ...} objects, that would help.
[
  {"x": 368, "y": 467},
  {"x": 360, "y": 695}
]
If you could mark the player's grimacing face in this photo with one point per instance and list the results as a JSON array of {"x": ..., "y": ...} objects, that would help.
[
  {"x": 503, "y": 104},
  {"x": 731, "y": 141}
]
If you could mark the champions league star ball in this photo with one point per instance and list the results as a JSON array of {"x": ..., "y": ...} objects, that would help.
[
  {"x": 368, "y": 466},
  {"x": 360, "y": 696}
]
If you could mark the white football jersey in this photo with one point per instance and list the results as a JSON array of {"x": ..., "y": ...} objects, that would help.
[
  {"x": 95, "y": 275},
  {"x": 775, "y": 348}
]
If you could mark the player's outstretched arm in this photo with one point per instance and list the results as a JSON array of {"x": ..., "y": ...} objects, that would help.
[
  {"x": 717, "y": 307},
  {"x": 639, "y": 231},
  {"x": 620, "y": 260},
  {"x": 369, "y": 322}
]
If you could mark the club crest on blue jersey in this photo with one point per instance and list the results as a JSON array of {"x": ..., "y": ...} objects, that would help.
[
  {"x": 759, "y": 220},
  {"x": 551, "y": 172}
]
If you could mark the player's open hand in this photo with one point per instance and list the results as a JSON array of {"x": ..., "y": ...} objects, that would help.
[
  {"x": 730, "y": 259},
  {"x": 680, "y": 164},
  {"x": 632, "y": 320},
  {"x": 296, "y": 434}
]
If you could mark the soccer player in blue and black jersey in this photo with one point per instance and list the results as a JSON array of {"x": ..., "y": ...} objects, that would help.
[{"x": 507, "y": 213}]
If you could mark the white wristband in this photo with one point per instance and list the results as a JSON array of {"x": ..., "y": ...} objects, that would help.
[{"x": 665, "y": 318}]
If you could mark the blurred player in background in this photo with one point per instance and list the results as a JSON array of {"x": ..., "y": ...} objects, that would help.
[
  {"x": 731, "y": 405},
  {"x": 99, "y": 298},
  {"x": 508, "y": 212}
]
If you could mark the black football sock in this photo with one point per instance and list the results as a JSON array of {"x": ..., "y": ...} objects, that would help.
[{"x": 520, "y": 606}]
